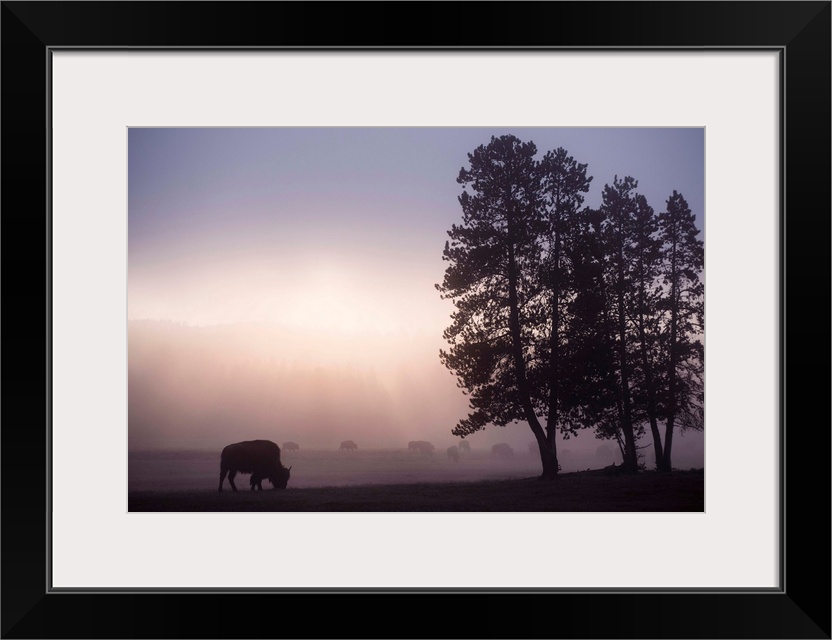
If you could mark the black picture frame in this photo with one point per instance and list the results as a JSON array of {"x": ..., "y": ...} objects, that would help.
[{"x": 799, "y": 608}]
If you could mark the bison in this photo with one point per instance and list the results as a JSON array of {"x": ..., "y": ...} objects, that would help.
[
  {"x": 348, "y": 445},
  {"x": 290, "y": 446},
  {"x": 503, "y": 450},
  {"x": 260, "y": 458},
  {"x": 464, "y": 446},
  {"x": 421, "y": 446},
  {"x": 453, "y": 453}
]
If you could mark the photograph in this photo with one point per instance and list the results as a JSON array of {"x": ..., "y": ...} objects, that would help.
[{"x": 416, "y": 319}]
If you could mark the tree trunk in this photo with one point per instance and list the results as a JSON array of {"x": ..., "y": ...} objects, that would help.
[
  {"x": 668, "y": 442},
  {"x": 520, "y": 366},
  {"x": 671, "y": 403},
  {"x": 651, "y": 392},
  {"x": 630, "y": 455},
  {"x": 554, "y": 363},
  {"x": 549, "y": 459}
]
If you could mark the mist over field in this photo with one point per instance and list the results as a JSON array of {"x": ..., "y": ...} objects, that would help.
[
  {"x": 204, "y": 387},
  {"x": 201, "y": 388}
]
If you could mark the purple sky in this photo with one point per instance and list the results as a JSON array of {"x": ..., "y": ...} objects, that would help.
[
  {"x": 217, "y": 190},
  {"x": 334, "y": 236}
]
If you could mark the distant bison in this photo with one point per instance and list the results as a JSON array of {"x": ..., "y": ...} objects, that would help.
[
  {"x": 453, "y": 453},
  {"x": 348, "y": 445},
  {"x": 421, "y": 446},
  {"x": 464, "y": 445},
  {"x": 502, "y": 450},
  {"x": 260, "y": 458},
  {"x": 290, "y": 446}
]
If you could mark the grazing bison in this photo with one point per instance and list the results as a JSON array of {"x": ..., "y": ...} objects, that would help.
[
  {"x": 464, "y": 446},
  {"x": 421, "y": 446},
  {"x": 348, "y": 445},
  {"x": 502, "y": 450},
  {"x": 290, "y": 446},
  {"x": 260, "y": 458},
  {"x": 453, "y": 453}
]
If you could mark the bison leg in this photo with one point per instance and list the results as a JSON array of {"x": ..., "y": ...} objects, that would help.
[
  {"x": 231, "y": 475},
  {"x": 223, "y": 473}
]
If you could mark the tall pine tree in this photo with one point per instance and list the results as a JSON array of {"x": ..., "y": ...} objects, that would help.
[
  {"x": 682, "y": 265},
  {"x": 646, "y": 316},
  {"x": 619, "y": 209},
  {"x": 563, "y": 182},
  {"x": 493, "y": 279}
]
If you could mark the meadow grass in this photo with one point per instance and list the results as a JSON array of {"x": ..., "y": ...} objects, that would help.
[{"x": 587, "y": 491}]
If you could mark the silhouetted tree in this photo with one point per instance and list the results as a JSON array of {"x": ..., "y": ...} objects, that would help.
[
  {"x": 646, "y": 314},
  {"x": 563, "y": 182},
  {"x": 492, "y": 277},
  {"x": 683, "y": 261},
  {"x": 619, "y": 209},
  {"x": 589, "y": 393}
]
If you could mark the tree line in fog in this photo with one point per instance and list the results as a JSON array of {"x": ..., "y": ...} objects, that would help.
[{"x": 568, "y": 317}]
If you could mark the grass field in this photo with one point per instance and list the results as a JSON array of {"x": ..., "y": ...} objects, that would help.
[{"x": 401, "y": 481}]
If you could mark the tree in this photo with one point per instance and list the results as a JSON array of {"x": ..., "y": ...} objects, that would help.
[
  {"x": 591, "y": 392},
  {"x": 646, "y": 314},
  {"x": 619, "y": 208},
  {"x": 683, "y": 262},
  {"x": 563, "y": 183},
  {"x": 492, "y": 277}
]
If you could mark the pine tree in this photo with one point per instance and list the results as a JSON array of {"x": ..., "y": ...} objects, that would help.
[
  {"x": 646, "y": 316},
  {"x": 682, "y": 266},
  {"x": 563, "y": 182},
  {"x": 619, "y": 209},
  {"x": 589, "y": 391},
  {"x": 492, "y": 277}
]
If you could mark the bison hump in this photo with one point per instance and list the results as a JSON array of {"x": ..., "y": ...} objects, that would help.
[{"x": 251, "y": 450}]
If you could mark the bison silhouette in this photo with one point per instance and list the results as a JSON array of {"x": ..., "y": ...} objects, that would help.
[
  {"x": 453, "y": 453},
  {"x": 422, "y": 446},
  {"x": 260, "y": 458},
  {"x": 503, "y": 450},
  {"x": 347, "y": 445},
  {"x": 464, "y": 446}
]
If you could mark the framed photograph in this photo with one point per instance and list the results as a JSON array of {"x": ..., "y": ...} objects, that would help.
[{"x": 223, "y": 232}]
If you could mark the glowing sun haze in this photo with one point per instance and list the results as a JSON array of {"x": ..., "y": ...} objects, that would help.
[{"x": 282, "y": 279}]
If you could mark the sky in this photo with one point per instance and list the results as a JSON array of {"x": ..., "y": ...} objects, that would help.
[{"x": 282, "y": 279}]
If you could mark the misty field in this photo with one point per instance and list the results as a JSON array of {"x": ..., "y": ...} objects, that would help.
[{"x": 404, "y": 481}]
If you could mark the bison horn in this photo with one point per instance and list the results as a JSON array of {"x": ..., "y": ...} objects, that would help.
[{"x": 290, "y": 467}]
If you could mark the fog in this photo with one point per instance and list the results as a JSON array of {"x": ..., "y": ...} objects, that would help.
[{"x": 201, "y": 388}]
